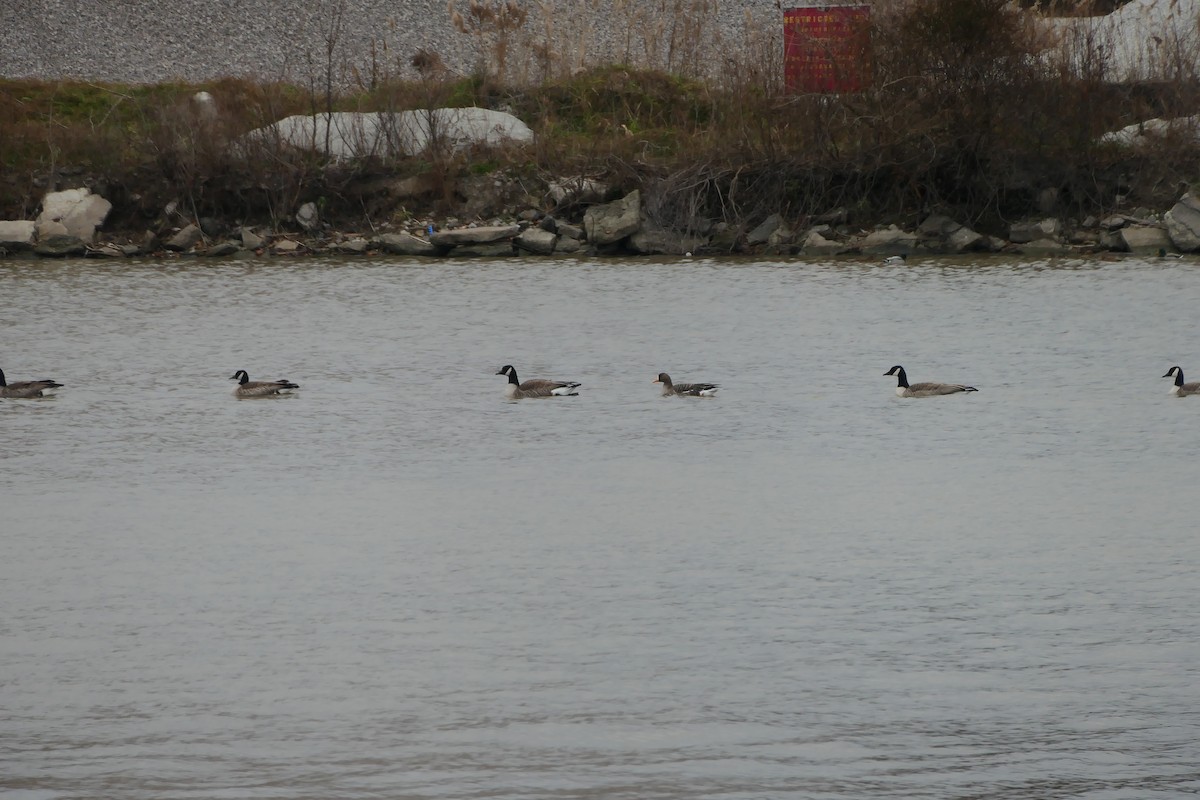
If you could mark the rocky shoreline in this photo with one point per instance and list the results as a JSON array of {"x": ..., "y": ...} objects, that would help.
[{"x": 71, "y": 225}]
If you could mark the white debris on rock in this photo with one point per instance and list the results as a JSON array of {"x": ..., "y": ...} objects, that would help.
[
  {"x": 349, "y": 135},
  {"x": 1140, "y": 40},
  {"x": 1145, "y": 132}
]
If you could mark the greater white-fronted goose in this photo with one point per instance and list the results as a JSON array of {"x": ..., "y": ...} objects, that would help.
[
  {"x": 903, "y": 389},
  {"x": 1181, "y": 389},
  {"x": 249, "y": 388},
  {"x": 26, "y": 388},
  {"x": 685, "y": 389},
  {"x": 535, "y": 387}
]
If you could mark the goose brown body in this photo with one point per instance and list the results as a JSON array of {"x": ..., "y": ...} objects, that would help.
[
  {"x": 249, "y": 388},
  {"x": 670, "y": 388},
  {"x": 515, "y": 389},
  {"x": 926, "y": 389},
  {"x": 26, "y": 388}
]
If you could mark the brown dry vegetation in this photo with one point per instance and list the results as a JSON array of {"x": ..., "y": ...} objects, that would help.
[{"x": 970, "y": 111}]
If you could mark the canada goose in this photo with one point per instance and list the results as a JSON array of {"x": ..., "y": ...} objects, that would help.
[
  {"x": 249, "y": 388},
  {"x": 26, "y": 388},
  {"x": 1181, "y": 389},
  {"x": 687, "y": 389},
  {"x": 892, "y": 261},
  {"x": 1162, "y": 253},
  {"x": 924, "y": 389},
  {"x": 535, "y": 387}
]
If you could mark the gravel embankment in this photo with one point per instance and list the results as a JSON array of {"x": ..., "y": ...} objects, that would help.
[{"x": 148, "y": 41}]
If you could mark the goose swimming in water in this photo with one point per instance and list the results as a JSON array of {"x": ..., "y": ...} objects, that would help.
[
  {"x": 249, "y": 388},
  {"x": 26, "y": 388},
  {"x": 685, "y": 389},
  {"x": 903, "y": 389},
  {"x": 1181, "y": 389},
  {"x": 535, "y": 387}
]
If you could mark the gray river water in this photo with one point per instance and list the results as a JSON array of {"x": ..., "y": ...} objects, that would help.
[{"x": 396, "y": 584}]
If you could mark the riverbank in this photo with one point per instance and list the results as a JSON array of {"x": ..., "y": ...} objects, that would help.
[
  {"x": 975, "y": 134},
  {"x": 617, "y": 228}
]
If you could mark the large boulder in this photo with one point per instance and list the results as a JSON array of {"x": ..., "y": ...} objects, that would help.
[
  {"x": 567, "y": 245},
  {"x": 482, "y": 235},
  {"x": 251, "y": 240},
  {"x": 761, "y": 234},
  {"x": 889, "y": 241},
  {"x": 353, "y": 246},
  {"x": 569, "y": 231},
  {"x": 185, "y": 239},
  {"x": 78, "y": 210},
  {"x": 611, "y": 222},
  {"x": 657, "y": 242},
  {"x": 946, "y": 235},
  {"x": 1027, "y": 232},
  {"x": 1144, "y": 240},
  {"x": 309, "y": 217},
  {"x": 223, "y": 248},
  {"x": 287, "y": 247},
  {"x": 1183, "y": 224},
  {"x": 17, "y": 235},
  {"x": 816, "y": 244},
  {"x": 486, "y": 250},
  {"x": 964, "y": 239},
  {"x": 405, "y": 244},
  {"x": 61, "y": 246},
  {"x": 566, "y": 191},
  {"x": 1043, "y": 247},
  {"x": 536, "y": 240}
]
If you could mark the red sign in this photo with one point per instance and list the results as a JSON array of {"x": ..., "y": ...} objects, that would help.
[{"x": 824, "y": 48}]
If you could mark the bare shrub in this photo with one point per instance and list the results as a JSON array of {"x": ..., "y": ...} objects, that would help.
[{"x": 492, "y": 24}]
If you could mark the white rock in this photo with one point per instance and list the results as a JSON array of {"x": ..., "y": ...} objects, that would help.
[
  {"x": 1144, "y": 239},
  {"x": 815, "y": 244},
  {"x": 478, "y": 235},
  {"x": 576, "y": 190},
  {"x": 308, "y": 216},
  {"x": 761, "y": 234},
  {"x": 1183, "y": 224},
  {"x": 51, "y": 227},
  {"x": 78, "y": 210},
  {"x": 536, "y": 240},
  {"x": 889, "y": 241},
  {"x": 612, "y": 222},
  {"x": 18, "y": 234},
  {"x": 251, "y": 240},
  {"x": 187, "y": 238},
  {"x": 962, "y": 240}
]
